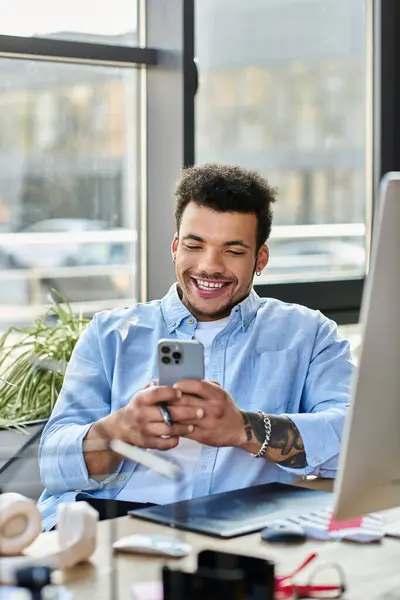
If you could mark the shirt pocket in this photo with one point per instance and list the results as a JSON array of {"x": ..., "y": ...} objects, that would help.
[{"x": 275, "y": 381}]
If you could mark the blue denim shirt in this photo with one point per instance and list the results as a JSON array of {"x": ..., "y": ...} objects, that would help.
[{"x": 277, "y": 357}]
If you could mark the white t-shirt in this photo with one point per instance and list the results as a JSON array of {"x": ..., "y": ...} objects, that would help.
[{"x": 154, "y": 487}]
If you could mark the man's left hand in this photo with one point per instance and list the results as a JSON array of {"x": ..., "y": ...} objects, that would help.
[{"x": 222, "y": 423}]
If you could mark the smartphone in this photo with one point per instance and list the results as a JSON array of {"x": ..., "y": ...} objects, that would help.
[{"x": 179, "y": 359}]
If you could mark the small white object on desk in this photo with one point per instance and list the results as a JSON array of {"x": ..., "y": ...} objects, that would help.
[
  {"x": 20, "y": 523},
  {"x": 77, "y": 532},
  {"x": 18, "y": 593},
  {"x": 153, "y": 545}
]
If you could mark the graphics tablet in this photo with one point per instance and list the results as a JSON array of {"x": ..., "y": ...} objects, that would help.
[{"x": 238, "y": 512}]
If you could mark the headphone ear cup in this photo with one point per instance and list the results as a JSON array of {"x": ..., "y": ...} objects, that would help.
[
  {"x": 20, "y": 523},
  {"x": 77, "y": 531}
]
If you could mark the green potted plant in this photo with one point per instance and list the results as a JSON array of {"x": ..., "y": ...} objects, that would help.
[{"x": 33, "y": 362}]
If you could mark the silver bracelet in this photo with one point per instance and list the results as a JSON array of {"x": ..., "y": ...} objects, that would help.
[{"x": 267, "y": 427}]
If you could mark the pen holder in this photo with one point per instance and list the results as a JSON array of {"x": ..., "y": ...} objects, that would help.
[
  {"x": 259, "y": 574},
  {"x": 212, "y": 584}
]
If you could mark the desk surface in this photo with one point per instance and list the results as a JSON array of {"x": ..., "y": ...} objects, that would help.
[{"x": 372, "y": 570}]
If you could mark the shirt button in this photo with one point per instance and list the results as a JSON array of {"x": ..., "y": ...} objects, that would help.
[
  {"x": 121, "y": 477},
  {"x": 318, "y": 460},
  {"x": 245, "y": 323},
  {"x": 190, "y": 320},
  {"x": 173, "y": 324}
]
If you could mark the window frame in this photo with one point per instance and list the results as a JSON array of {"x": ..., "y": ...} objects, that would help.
[{"x": 37, "y": 48}]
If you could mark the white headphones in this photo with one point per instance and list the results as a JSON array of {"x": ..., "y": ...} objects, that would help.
[{"x": 21, "y": 524}]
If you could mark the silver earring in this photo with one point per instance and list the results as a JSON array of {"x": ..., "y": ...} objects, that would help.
[{"x": 258, "y": 273}]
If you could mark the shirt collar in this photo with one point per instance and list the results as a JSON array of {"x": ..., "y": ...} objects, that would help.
[
  {"x": 174, "y": 311},
  {"x": 248, "y": 308}
]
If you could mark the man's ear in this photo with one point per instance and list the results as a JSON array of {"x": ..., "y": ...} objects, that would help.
[
  {"x": 174, "y": 245},
  {"x": 262, "y": 258}
]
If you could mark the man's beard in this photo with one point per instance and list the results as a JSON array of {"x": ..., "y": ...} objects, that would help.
[{"x": 224, "y": 311}]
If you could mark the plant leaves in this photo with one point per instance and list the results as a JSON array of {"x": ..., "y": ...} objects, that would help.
[{"x": 33, "y": 362}]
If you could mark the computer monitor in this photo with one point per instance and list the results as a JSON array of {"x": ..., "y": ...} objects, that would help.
[{"x": 369, "y": 466}]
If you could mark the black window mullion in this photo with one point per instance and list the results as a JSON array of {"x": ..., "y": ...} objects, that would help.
[
  {"x": 388, "y": 31},
  {"x": 53, "y": 49},
  {"x": 190, "y": 83}
]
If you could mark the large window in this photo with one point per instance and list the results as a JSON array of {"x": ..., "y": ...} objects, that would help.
[
  {"x": 91, "y": 143},
  {"x": 97, "y": 118},
  {"x": 282, "y": 89}
]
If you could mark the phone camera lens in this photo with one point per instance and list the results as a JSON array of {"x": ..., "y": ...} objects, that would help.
[
  {"x": 165, "y": 349},
  {"x": 176, "y": 355},
  {"x": 166, "y": 360}
]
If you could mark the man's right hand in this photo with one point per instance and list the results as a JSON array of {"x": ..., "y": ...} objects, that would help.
[{"x": 140, "y": 422}]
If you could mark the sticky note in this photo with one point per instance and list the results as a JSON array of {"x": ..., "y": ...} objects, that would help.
[{"x": 335, "y": 525}]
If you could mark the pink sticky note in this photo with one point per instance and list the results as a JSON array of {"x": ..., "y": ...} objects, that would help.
[
  {"x": 147, "y": 590},
  {"x": 335, "y": 525}
]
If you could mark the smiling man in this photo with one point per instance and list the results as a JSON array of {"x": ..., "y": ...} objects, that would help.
[{"x": 274, "y": 398}]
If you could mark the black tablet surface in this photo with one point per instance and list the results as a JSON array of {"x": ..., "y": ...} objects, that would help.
[{"x": 238, "y": 512}]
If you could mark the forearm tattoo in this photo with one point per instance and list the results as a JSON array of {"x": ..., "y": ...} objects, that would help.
[{"x": 285, "y": 446}]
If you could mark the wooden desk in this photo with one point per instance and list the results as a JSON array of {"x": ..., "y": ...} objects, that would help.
[{"x": 372, "y": 570}]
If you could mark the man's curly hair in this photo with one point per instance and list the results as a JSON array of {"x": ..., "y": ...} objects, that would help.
[{"x": 227, "y": 188}]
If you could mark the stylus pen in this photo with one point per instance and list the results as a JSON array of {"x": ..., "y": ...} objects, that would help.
[
  {"x": 163, "y": 410},
  {"x": 165, "y": 414},
  {"x": 152, "y": 461}
]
